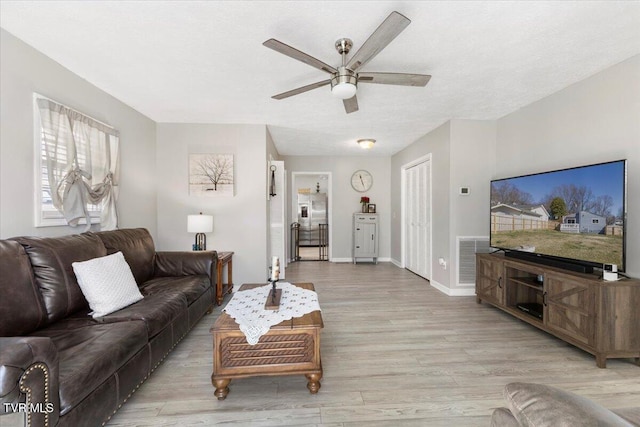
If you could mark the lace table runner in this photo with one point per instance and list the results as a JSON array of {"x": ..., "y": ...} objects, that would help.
[{"x": 247, "y": 308}]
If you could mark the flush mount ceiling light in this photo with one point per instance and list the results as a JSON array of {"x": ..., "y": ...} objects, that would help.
[{"x": 366, "y": 143}]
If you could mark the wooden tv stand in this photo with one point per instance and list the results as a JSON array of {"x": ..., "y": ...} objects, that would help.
[{"x": 602, "y": 318}]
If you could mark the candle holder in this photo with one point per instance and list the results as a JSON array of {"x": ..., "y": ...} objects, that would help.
[{"x": 274, "y": 296}]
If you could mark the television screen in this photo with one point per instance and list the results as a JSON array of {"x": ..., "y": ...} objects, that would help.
[{"x": 575, "y": 214}]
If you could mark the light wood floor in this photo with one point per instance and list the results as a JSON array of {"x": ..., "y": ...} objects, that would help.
[
  {"x": 396, "y": 352},
  {"x": 310, "y": 253}
]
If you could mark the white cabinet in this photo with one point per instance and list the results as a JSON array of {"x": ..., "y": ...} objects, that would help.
[{"x": 365, "y": 236}]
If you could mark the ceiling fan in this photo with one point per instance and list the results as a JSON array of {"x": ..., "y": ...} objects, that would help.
[{"x": 345, "y": 78}]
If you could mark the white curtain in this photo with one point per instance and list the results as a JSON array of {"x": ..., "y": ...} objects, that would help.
[{"x": 82, "y": 164}]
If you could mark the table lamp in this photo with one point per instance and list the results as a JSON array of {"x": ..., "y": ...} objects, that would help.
[{"x": 200, "y": 224}]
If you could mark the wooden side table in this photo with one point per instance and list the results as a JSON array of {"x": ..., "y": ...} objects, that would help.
[{"x": 222, "y": 289}]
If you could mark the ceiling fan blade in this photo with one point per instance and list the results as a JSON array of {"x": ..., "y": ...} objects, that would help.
[
  {"x": 299, "y": 55},
  {"x": 351, "y": 104},
  {"x": 381, "y": 37},
  {"x": 402, "y": 79},
  {"x": 301, "y": 89}
]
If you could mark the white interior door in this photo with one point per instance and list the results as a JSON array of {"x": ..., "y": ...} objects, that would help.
[
  {"x": 411, "y": 253},
  {"x": 277, "y": 213},
  {"x": 417, "y": 218}
]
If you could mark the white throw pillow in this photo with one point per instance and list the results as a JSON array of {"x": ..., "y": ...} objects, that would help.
[{"x": 107, "y": 283}]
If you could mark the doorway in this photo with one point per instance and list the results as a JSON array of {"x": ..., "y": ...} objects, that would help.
[
  {"x": 310, "y": 216},
  {"x": 416, "y": 216}
]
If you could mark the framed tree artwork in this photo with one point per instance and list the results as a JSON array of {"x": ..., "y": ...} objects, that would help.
[{"x": 211, "y": 175}]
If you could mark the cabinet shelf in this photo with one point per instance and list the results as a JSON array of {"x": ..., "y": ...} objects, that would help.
[
  {"x": 528, "y": 282},
  {"x": 527, "y": 317}
]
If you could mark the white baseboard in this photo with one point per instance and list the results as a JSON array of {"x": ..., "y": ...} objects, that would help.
[
  {"x": 463, "y": 292},
  {"x": 457, "y": 292},
  {"x": 351, "y": 259},
  {"x": 396, "y": 263}
]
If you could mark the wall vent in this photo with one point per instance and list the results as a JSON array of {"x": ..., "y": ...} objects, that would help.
[{"x": 466, "y": 250}]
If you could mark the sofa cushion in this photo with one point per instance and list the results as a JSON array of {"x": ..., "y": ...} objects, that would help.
[
  {"x": 538, "y": 405},
  {"x": 107, "y": 283},
  {"x": 137, "y": 247},
  {"x": 21, "y": 304},
  {"x": 192, "y": 287},
  {"x": 51, "y": 260},
  {"x": 177, "y": 264},
  {"x": 90, "y": 352},
  {"x": 157, "y": 311}
]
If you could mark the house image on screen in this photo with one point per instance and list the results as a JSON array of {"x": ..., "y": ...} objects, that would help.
[
  {"x": 583, "y": 222},
  {"x": 506, "y": 217}
]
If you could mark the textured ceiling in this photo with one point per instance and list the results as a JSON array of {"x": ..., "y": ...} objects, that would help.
[{"x": 203, "y": 61}]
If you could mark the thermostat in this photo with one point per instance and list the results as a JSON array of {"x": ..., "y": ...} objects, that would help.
[{"x": 464, "y": 191}]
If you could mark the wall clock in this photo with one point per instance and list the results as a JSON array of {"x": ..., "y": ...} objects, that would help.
[{"x": 361, "y": 180}]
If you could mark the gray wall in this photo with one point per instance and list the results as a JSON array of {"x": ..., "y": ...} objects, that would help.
[
  {"x": 437, "y": 143},
  {"x": 592, "y": 121},
  {"x": 472, "y": 165},
  {"x": 23, "y": 70},
  {"x": 240, "y": 223},
  {"x": 595, "y": 120},
  {"x": 345, "y": 199}
]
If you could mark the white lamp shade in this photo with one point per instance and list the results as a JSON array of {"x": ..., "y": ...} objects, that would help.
[
  {"x": 200, "y": 223},
  {"x": 344, "y": 90}
]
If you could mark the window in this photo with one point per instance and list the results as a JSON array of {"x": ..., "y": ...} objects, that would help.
[
  {"x": 76, "y": 167},
  {"x": 595, "y": 221}
]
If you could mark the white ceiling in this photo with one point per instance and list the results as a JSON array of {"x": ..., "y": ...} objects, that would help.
[{"x": 203, "y": 61}]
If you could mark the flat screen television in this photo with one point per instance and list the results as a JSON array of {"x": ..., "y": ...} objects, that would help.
[{"x": 570, "y": 218}]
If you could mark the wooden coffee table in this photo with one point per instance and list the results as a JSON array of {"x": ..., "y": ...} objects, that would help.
[{"x": 289, "y": 348}]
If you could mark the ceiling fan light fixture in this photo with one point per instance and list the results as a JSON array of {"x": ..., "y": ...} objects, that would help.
[
  {"x": 343, "y": 84},
  {"x": 366, "y": 143},
  {"x": 344, "y": 90}
]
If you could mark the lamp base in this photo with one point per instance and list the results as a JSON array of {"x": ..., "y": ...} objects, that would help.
[{"x": 201, "y": 242}]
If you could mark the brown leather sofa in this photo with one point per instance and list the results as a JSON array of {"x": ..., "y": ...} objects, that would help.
[{"x": 72, "y": 369}]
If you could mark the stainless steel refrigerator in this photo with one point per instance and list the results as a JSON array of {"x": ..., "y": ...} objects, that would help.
[{"x": 312, "y": 211}]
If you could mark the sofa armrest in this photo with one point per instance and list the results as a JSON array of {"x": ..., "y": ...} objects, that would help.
[
  {"x": 176, "y": 264},
  {"x": 29, "y": 379},
  {"x": 538, "y": 405},
  {"x": 502, "y": 417}
]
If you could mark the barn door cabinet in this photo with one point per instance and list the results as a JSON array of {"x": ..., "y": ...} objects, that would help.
[
  {"x": 599, "y": 317},
  {"x": 365, "y": 236},
  {"x": 489, "y": 285}
]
